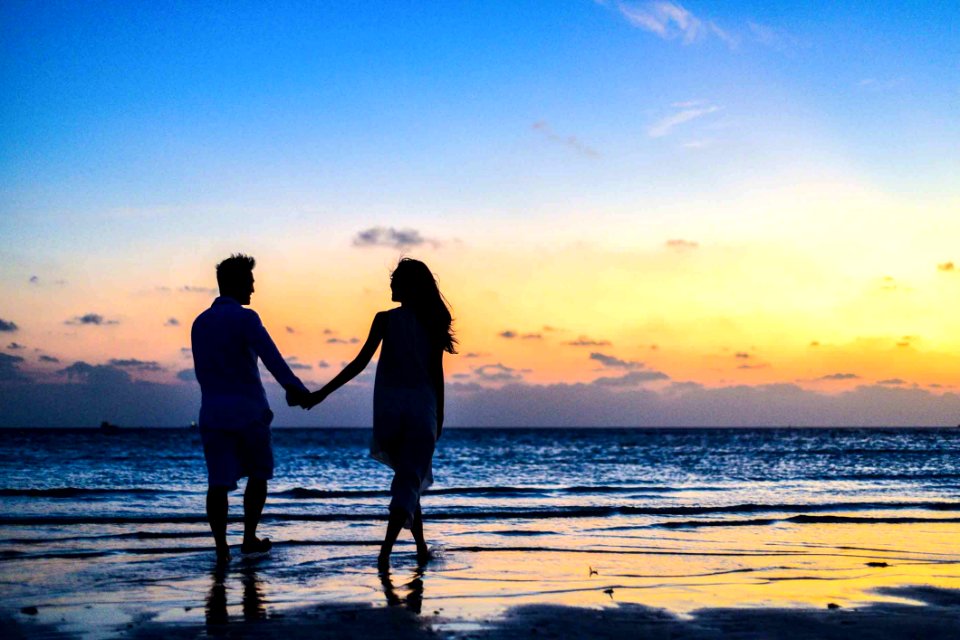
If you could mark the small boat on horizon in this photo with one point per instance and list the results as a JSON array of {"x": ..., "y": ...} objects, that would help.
[{"x": 108, "y": 427}]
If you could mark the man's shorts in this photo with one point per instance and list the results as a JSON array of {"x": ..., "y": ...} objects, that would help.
[{"x": 232, "y": 454}]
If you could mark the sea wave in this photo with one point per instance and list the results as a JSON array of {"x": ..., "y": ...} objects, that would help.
[{"x": 498, "y": 514}]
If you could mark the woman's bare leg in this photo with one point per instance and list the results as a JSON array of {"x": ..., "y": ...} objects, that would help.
[
  {"x": 416, "y": 528},
  {"x": 394, "y": 525}
]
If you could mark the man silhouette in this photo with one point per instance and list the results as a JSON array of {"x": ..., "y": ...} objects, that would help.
[{"x": 234, "y": 414}]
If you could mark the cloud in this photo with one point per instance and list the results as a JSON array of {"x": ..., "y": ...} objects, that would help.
[
  {"x": 391, "y": 237},
  {"x": 187, "y": 375},
  {"x": 631, "y": 379},
  {"x": 508, "y": 334},
  {"x": 8, "y": 326},
  {"x": 743, "y": 355},
  {"x": 474, "y": 354},
  {"x": 97, "y": 375},
  {"x": 291, "y": 330},
  {"x": 46, "y": 358},
  {"x": 497, "y": 373},
  {"x": 171, "y": 322},
  {"x": 614, "y": 362},
  {"x": 840, "y": 376},
  {"x": 94, "y": 319},
  {"x": 664, "y": 19},
  {"x": 133, "y": 363},
  {"x": 584, "y": 341},
  {"x": 34, "y": 280},
  {"x": 684, "y": 112},
  {"x": 570, "y": 142},
  {"x": 294, "y": 363},
  {"x": 532, "y": 336},
  {"x": 946, "y": 266},
  {"x": 892, "y": 381},
  {"x": 188, "y": 288},
  {"x": 323, "y": 364},
  {"x": 15, "y": 346},
  {"x": 10, "y": 368},
  {"x": 353, "y": 340},
  {"x": 680, "y": 245}
]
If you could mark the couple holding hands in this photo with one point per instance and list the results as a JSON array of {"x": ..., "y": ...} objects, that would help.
[{"x": 228, "y": 339}]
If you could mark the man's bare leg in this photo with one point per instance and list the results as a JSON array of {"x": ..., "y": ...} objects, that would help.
[
  {"x": 254, "y": 498},
  {"x": 217, "y": 517}
]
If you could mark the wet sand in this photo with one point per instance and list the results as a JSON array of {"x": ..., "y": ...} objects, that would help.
[{"x": 506, "y": 579}]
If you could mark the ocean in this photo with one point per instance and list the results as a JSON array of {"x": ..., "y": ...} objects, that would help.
[{"x": 87, "y": 516}]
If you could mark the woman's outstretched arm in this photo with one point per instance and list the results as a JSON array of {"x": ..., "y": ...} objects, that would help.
[{"x": 356, "y": 366}]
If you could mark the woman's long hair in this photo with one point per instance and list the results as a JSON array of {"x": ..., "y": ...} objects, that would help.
[{"x": 414, "y": 285}]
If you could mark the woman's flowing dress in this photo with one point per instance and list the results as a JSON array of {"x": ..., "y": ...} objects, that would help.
[{"x": 405, "y": 409}]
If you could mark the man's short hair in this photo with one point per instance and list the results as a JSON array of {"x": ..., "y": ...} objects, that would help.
[{"x": 234, "y": 272}]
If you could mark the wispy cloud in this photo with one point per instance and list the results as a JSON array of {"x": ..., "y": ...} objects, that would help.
[
  {"x": 672, "y": 21},
  {"x": 353, "y": 340},
  {"x": 10, "y": 368},
  {"x": 571, "y": 142},
  {"x": 294, "y": 363},
  {"x": 683, "y": 112},
  {"x": 631, "y": 379},
  {"x": 584, "y": 341},
  {"x": 946, "y": 266},
  {"x": 134, "y": 363},
  {"x": 15, "y": 346},
  {"x": 8, "y": 326},
  {"x": 188, "y": 288},
  {"x": 171, "y": 322},
  {"x": 840, "y": 376},
  {"x": 391, "y": 237},
  {"x": 46, "y": 358},
  {"x": 614, "y": 362},
  {"x": 497, "y": 373},
  {"x": 94, "y": 319},
  {"x": 893, "y": 382}
]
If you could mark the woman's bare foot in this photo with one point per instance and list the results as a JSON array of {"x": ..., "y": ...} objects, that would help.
[{"x": 424, "y": 556}]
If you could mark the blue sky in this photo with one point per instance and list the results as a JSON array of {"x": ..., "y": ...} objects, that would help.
[{"x": 547, "y": 153}]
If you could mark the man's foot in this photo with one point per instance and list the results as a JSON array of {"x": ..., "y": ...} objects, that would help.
[
  {"x": 223, "y": 556},
  {"x": 257, "y": 545}
]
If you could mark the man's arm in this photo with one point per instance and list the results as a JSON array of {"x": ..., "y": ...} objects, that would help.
[{"x": 267, "y": 351}]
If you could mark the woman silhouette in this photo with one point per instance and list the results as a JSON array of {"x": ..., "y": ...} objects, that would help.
[{"x": 407, "y": 394}]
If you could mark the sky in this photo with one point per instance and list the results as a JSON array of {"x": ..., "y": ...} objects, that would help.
[{"x": 641, "y": 213}]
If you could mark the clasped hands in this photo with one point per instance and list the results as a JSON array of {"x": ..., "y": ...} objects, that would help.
[{"x": 305, "y": 399}]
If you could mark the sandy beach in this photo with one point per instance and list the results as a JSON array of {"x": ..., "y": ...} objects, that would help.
[{"x": 791, "y": 580}]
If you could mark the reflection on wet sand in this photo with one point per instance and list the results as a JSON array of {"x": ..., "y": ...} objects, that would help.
[
  {"x": 252, "y": 603},
  {"x": 414, "y": 598}
]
